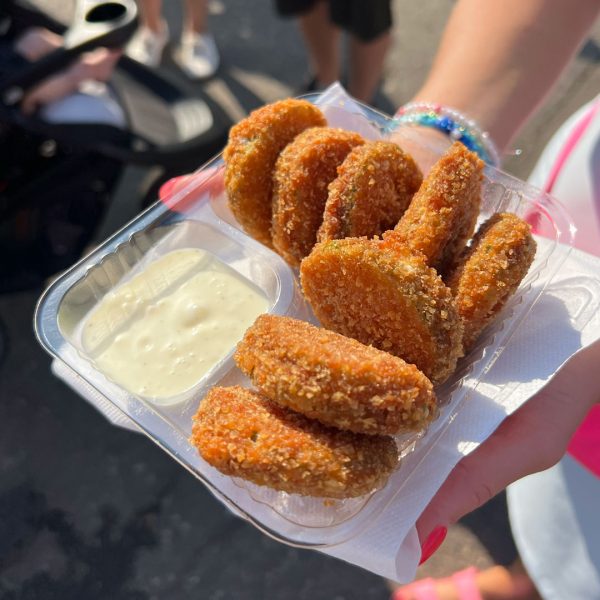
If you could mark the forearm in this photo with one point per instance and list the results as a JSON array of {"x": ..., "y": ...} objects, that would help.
[{"x": 498, "y": 60}]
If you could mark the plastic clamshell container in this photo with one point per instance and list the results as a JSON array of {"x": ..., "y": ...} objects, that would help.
[{"x": 197, "y": 216}]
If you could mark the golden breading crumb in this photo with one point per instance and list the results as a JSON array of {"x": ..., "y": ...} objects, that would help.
[
  {"x": 302, "y": 174},
  {"x": 335, "y": 379},
  {"x": 385, "y": 297},
  {"x": 442, "y": 215},
  {"x": 253, "y": 147},
  {"x": 490, "y": 271},
  {"x": 374, "y": 186},
  {"x": 242, "y": 434}
]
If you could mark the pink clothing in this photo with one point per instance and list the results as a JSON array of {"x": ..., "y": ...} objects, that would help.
[
  {"x": 585, "y": 444},
  {"x": 582, "y": 198}
]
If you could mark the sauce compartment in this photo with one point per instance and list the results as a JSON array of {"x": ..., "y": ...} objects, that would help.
[
  {"x": 179, "y": 317},
  {"x": 118, "y": 293},
  {"x": 198, "y": 217}
]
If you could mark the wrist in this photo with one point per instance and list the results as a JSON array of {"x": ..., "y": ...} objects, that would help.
[{"x": 453, "y": 124}]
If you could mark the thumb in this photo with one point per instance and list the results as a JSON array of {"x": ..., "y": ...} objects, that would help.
[{"x": 183, "y": 192}]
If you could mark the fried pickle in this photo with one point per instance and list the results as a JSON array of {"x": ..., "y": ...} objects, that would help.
[
  {"x": 253, "y": 147},
  {"x": 243, "y": 434},
  {"x": 334, "y": 379},
  {"x": 385, "y": 297},
  {"x": 302, "y": 173},
  {"x": 442, "y": 215},
  {"x": 374, "y": 186},
  {"x": 490, "y": 271}
]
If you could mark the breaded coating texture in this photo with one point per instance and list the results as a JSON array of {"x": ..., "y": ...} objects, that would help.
[
  {"x": 388, "y": 298},
  {"x": 334, "y": 379},
  {"x": 243, "y": 434},
  {"x": 442, "y": 215},
  {"x": 302, "y": 174},
  {"x": 253, "y": 147},
  {"x": 374, "y": 186},
  {"x": 490, "y": 271}
]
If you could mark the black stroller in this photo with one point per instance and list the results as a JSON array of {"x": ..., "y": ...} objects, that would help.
[{"x": 57, "y": 180}]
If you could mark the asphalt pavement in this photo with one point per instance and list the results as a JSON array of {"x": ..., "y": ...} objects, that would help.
[{"x": 90, "y": 511}]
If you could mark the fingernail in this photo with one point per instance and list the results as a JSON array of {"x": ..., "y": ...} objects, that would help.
[
  {"x": 432, "y": 543},
  {"x": 167, "y": 187}
]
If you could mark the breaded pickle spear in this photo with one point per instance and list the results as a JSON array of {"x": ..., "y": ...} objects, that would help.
[
  {"x": 442, "y": 215},
  {"x": 334, "y": 379},
  {"x": 253, "y": 147},
  {"x": 242, "y": 434},
  {"x": 374, "y": 186},
  {"x": 490, "y": 271},
  {"x": 302, "y": 174},
  {"x": 385, "y": 297}
]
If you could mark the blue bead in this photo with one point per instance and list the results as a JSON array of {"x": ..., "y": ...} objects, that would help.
[
  {"x": 467, "y": 142},
  {"x": 446, "y": 124}
]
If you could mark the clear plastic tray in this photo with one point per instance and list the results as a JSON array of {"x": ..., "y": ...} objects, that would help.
[{"x": 198, "y": 216}]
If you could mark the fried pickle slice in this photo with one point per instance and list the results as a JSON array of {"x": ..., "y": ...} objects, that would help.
[
  {"x": 490, "y": 271},
  {"x": 386, "y": 297},
  {"x": 374, "y": 186},
  {"x": 242, "y": 434},
  {"x": 442, "y": 215},
  {"x": 335, "y": 379},
  {"x": 253, "y": 147},
  {"x": 302, "y": 174}
]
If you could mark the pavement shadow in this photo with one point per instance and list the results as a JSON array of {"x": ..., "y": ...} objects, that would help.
[{"x": 92, "y": 566}]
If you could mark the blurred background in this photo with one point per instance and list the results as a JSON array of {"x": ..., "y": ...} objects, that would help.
[{"x": 91, "y": 511}]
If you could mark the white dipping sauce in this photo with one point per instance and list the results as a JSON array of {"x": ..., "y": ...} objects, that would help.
[{"x": 159, "y": 333}]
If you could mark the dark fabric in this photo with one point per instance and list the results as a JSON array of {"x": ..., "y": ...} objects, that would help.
[
  {"x": 293, "y": 8},
  {"x": 10, "y": 61},
  {"x": 48, "y": 212},
  {"x": 366, "y": 19}
]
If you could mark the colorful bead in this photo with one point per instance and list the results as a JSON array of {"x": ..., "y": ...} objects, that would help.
[{"x": 451, "y": 122}]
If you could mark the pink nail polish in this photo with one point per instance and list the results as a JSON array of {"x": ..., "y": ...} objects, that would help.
[
  {"x": 167, "y": 187},
  {"x": 432, "y": 543}
]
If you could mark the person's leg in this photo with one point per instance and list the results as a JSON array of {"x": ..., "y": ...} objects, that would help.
[
  {"x": 366, "y": 65},
  {"x": 369, "y": 26},
  {"x": 149, "y": 41},
  {"x": 195, "y": 16},
  {"x": 150, "y": 15},
  {"x": 198, "y": 55},
  {"x": 322, "y": 40}
]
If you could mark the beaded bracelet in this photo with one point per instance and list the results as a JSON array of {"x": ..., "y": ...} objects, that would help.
[{"x": 454, "y": 124}]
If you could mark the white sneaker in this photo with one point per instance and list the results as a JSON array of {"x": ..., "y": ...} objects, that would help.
[
  {"x": 198, "y": 55},
  {"x": 147, "y": 46}
]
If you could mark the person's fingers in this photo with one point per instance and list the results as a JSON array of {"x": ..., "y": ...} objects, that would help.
[
  {"x": 37, "y": 42},
  {"x": 479, "y": 477},
  {"x": 533, "y": 438},
  {"x": 209, "y": 181},
  {"x": 98, "y": 65},
  {"x": 49, "y": 90}
]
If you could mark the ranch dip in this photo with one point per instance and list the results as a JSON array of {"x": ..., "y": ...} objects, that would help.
[{"x": 160, "y": 332}]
